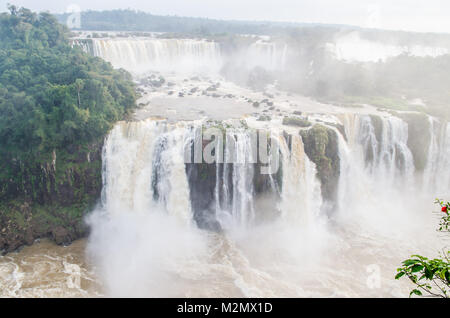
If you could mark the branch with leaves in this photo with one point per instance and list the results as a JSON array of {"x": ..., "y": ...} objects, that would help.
[{"x": 430, "y": 277}]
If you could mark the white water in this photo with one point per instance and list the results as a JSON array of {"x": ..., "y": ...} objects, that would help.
[
  {"x": 143, "y": 168},
  {"x": 268, "y": 55},
  {"x": 165, "y": 55},
  {"x": 142, "y": 249},
  {"x": 300, "y": 185},
  {"x": 437, "y": 172},
  {"x": 377, "y": 177},
  {"x": 185, "y": 56}
]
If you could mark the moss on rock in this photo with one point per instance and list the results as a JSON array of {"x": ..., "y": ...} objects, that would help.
[
  {"x": 51, "y": 198},
  {"x": 296, "y": 121},
  {"x": 321, "y": 146}
]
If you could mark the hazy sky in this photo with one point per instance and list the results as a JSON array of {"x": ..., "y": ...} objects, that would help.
[{"x": 413, "y": 15}]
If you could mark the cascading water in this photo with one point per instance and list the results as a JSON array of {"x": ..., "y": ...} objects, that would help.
[
  {"x": 378, "y": 182},
  {"x": 437, "y": 172},
  {"x": 146, "y": 172},
  {"x": 380, "y": 145},
  {"x": 165, "y": 55},
  {"x": 269, "y": 55},
  {"x": 299, "y": 185},
  {"x": 143, "y": 166},
  {"x": 237, "y": 207}
]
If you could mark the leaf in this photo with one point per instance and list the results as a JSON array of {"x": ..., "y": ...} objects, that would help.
[
  {"x": 416, "y": 268},
  {"x": 428, "y": 273},
  {"x": 409, "y": 262},
  {"x": 415, "y": 292},
  {"x": 399, "y": 275}
]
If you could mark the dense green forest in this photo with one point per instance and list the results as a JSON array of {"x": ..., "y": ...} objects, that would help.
[
  {"x": 52, "y": 95},
  {"x": 56, "y": 105}
]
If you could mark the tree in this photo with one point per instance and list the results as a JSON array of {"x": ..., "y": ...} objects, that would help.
[{"x": 53, "y": 97}]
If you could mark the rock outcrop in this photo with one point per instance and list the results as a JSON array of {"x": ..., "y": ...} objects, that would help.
[
  {"x": 51, "y": 199},
  {"x": 321, "y": 146}
]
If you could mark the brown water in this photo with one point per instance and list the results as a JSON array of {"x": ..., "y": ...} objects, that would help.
[
  {"x": 47, "y": 270},
  {"x": 231, "y": 268}
]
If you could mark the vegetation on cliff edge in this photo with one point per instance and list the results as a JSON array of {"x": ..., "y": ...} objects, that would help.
[{"x": 56, "y": 105}]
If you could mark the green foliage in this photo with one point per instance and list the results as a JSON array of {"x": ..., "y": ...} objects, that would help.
[
  {"x": 430, "y": 276},
  {"x": 320, "y": 144},
  {"x": 296, "y": 121},
  {"x": 52, "y": 96}
]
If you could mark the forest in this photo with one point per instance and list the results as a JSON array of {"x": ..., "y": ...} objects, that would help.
[{"x": 56, "y": 103}]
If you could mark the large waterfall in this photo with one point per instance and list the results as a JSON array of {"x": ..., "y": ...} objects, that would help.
[
  {"x": 143, "y": 169},
  {"x": 186, "y": 56},
  {"x": 166, "y": 55},
  {"x": 156, "y": 197},
  {"x": 146, "y": 166}
]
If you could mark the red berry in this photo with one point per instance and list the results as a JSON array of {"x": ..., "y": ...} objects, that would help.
[{"x": 444, "y": 209}]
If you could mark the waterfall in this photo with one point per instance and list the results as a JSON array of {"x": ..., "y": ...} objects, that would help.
[
  {"x": 269, "y": 55},
  {"x": 147, "y": 177},
  {"x": 241, "y": 206},
  {"x": 381, "y": 145},
  {"x": 437, "y": 169},
  {"x": 143, "y": 169},
  {"x": 165, "y": 55},
  {"x": 301, "y": 198},
  {"x": 376, "y": 171}
]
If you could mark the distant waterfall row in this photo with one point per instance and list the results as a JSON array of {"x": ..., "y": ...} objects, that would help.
[
  {"x": 168, "y": 55},
  {"x": 139, "y": 55}
]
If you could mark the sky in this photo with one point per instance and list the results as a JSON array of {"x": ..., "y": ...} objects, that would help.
[{"x": 408, "y": 15}]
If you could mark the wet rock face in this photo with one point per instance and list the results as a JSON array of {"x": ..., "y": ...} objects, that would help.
[
  {"x": 202, "y": 182},
  {"x": 61, "y": 235},
  {"x": 321, "y": 147},
  {"x": 50, "y": 199},
  {"x": 204, "y": 178}
]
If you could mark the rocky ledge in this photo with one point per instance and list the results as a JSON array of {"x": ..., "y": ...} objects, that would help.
[{"x": 50, "y": 200}]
